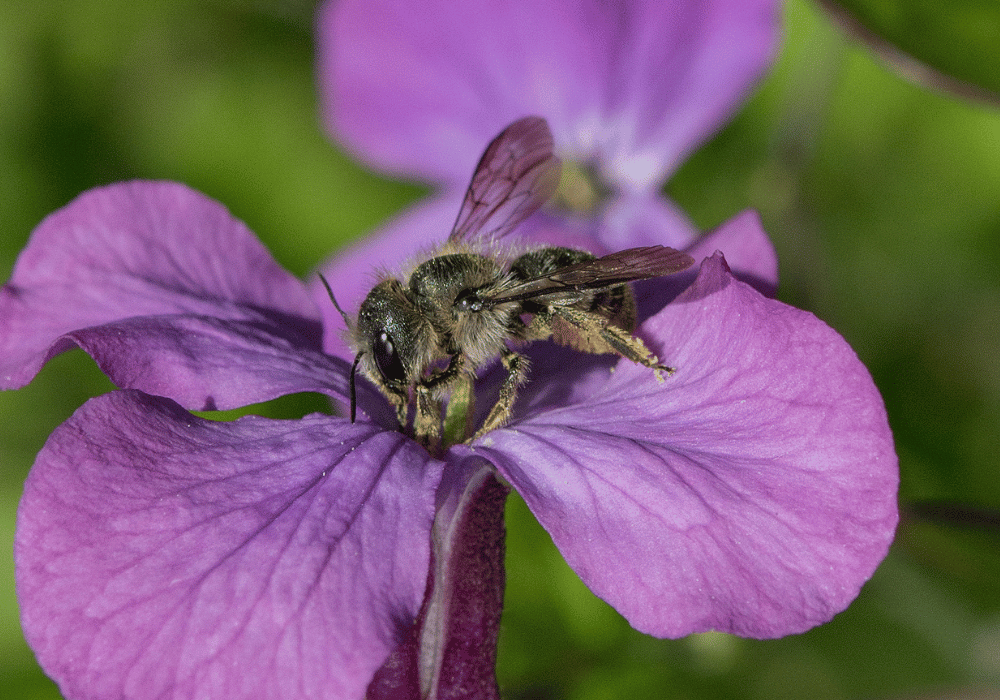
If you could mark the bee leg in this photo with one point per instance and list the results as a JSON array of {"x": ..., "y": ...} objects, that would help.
[
  {"x": 427, "y": 421},
  {"x": 402, "y": 404},
  {"x": 437, "y": 381},
  {"x": 399, "y": 400},
  {"x": 517, "y": 371},
  {"x": 616, "y": 339}
]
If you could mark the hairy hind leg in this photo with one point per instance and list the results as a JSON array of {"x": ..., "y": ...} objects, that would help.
[
  {"x": 517, "y": 369},
  {"x": 614, "y": 338}
]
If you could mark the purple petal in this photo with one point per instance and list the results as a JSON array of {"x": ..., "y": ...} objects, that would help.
[
  {"x": 452, "y": 653},
  {"x": 633, "y": 86},
  {"x": 159, "y": 555},
  {"x": 207, "y": 363},
  {"x": 645, "y": 218},
  {"x": 681, "y": 69},
  {"x": 141, "y": 249},
  {"x": 752, "y": 492},
  {"x": 748, "y": 250}
]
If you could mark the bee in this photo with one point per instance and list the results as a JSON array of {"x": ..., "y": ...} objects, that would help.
[{"x": 464, "y": 306}]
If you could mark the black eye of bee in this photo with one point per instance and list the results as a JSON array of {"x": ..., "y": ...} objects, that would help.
[
  {"x": 387, "y": 359},
  {"x": 468, "y": 300}
]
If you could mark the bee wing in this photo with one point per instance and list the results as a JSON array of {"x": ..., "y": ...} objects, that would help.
[
  {"x": 515, "y": 176},
  {"x": 608, "y": 271}
]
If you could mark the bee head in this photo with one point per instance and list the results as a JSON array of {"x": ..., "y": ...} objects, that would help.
[{"x": 388, "y": 335}]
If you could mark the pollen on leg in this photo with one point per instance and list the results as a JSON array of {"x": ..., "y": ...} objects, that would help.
[{"x": 660, "y": 370}]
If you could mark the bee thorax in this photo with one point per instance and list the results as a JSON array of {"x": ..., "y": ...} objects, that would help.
[{"x": 481, "y": 335}]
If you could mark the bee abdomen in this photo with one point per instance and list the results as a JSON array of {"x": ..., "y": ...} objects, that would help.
[{"x": 616, "y": 303}]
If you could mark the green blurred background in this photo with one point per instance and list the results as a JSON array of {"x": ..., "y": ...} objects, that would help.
[{"x": 882, "y": 197}]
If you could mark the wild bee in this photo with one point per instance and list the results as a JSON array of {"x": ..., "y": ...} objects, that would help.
[{"x": 418, "y": 341}]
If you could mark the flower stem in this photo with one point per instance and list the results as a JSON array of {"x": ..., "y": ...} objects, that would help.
[
  {"x": 460, "y": 412},
  {"x": 451, "y": 652}
]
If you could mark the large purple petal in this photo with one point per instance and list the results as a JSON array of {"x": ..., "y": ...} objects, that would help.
[
  {"x": 633, "y": 86},
  {"x": 752, "y": 492},
  {"x": 159, "y": 555},
  {"x": 207, "y": 363},
  {"x": 141, "y": 249}
]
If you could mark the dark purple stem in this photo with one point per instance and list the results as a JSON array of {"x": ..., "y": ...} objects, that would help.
[{"x": 451, "y": 650}]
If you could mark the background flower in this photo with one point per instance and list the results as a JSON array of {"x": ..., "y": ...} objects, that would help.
[
  {"x": 628, "y": 89},
  {"x": 632, "y": 87}
]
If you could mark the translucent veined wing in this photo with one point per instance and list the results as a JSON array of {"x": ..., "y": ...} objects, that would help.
[
  {"x": 607, "y": 271},
  {"x": 516, "y": 175}
]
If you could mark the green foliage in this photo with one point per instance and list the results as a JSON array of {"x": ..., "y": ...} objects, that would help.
[{"x": 959, "y": 38}]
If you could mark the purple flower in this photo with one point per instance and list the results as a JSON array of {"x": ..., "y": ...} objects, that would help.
[
  {"x": 628, "y": 88},
  {"x": 162, "y": 554}
]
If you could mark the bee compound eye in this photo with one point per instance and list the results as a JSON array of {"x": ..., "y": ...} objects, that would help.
[{"x": 387, "y": 359}]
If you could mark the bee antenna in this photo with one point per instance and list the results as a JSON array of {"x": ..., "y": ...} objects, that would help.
[
  {"x": 347, "y": 319},
  {"x": 354, "y": 392}
]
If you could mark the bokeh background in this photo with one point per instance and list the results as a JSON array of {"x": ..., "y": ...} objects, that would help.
[{"x": 879, "y": 186}]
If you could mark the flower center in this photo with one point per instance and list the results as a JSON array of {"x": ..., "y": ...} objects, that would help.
[{"x": 581, "y": 190}]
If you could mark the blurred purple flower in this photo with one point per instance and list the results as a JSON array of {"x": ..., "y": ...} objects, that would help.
[
  {"x": 162, "y": 554},
  {"x": 628, "y": 88}
]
